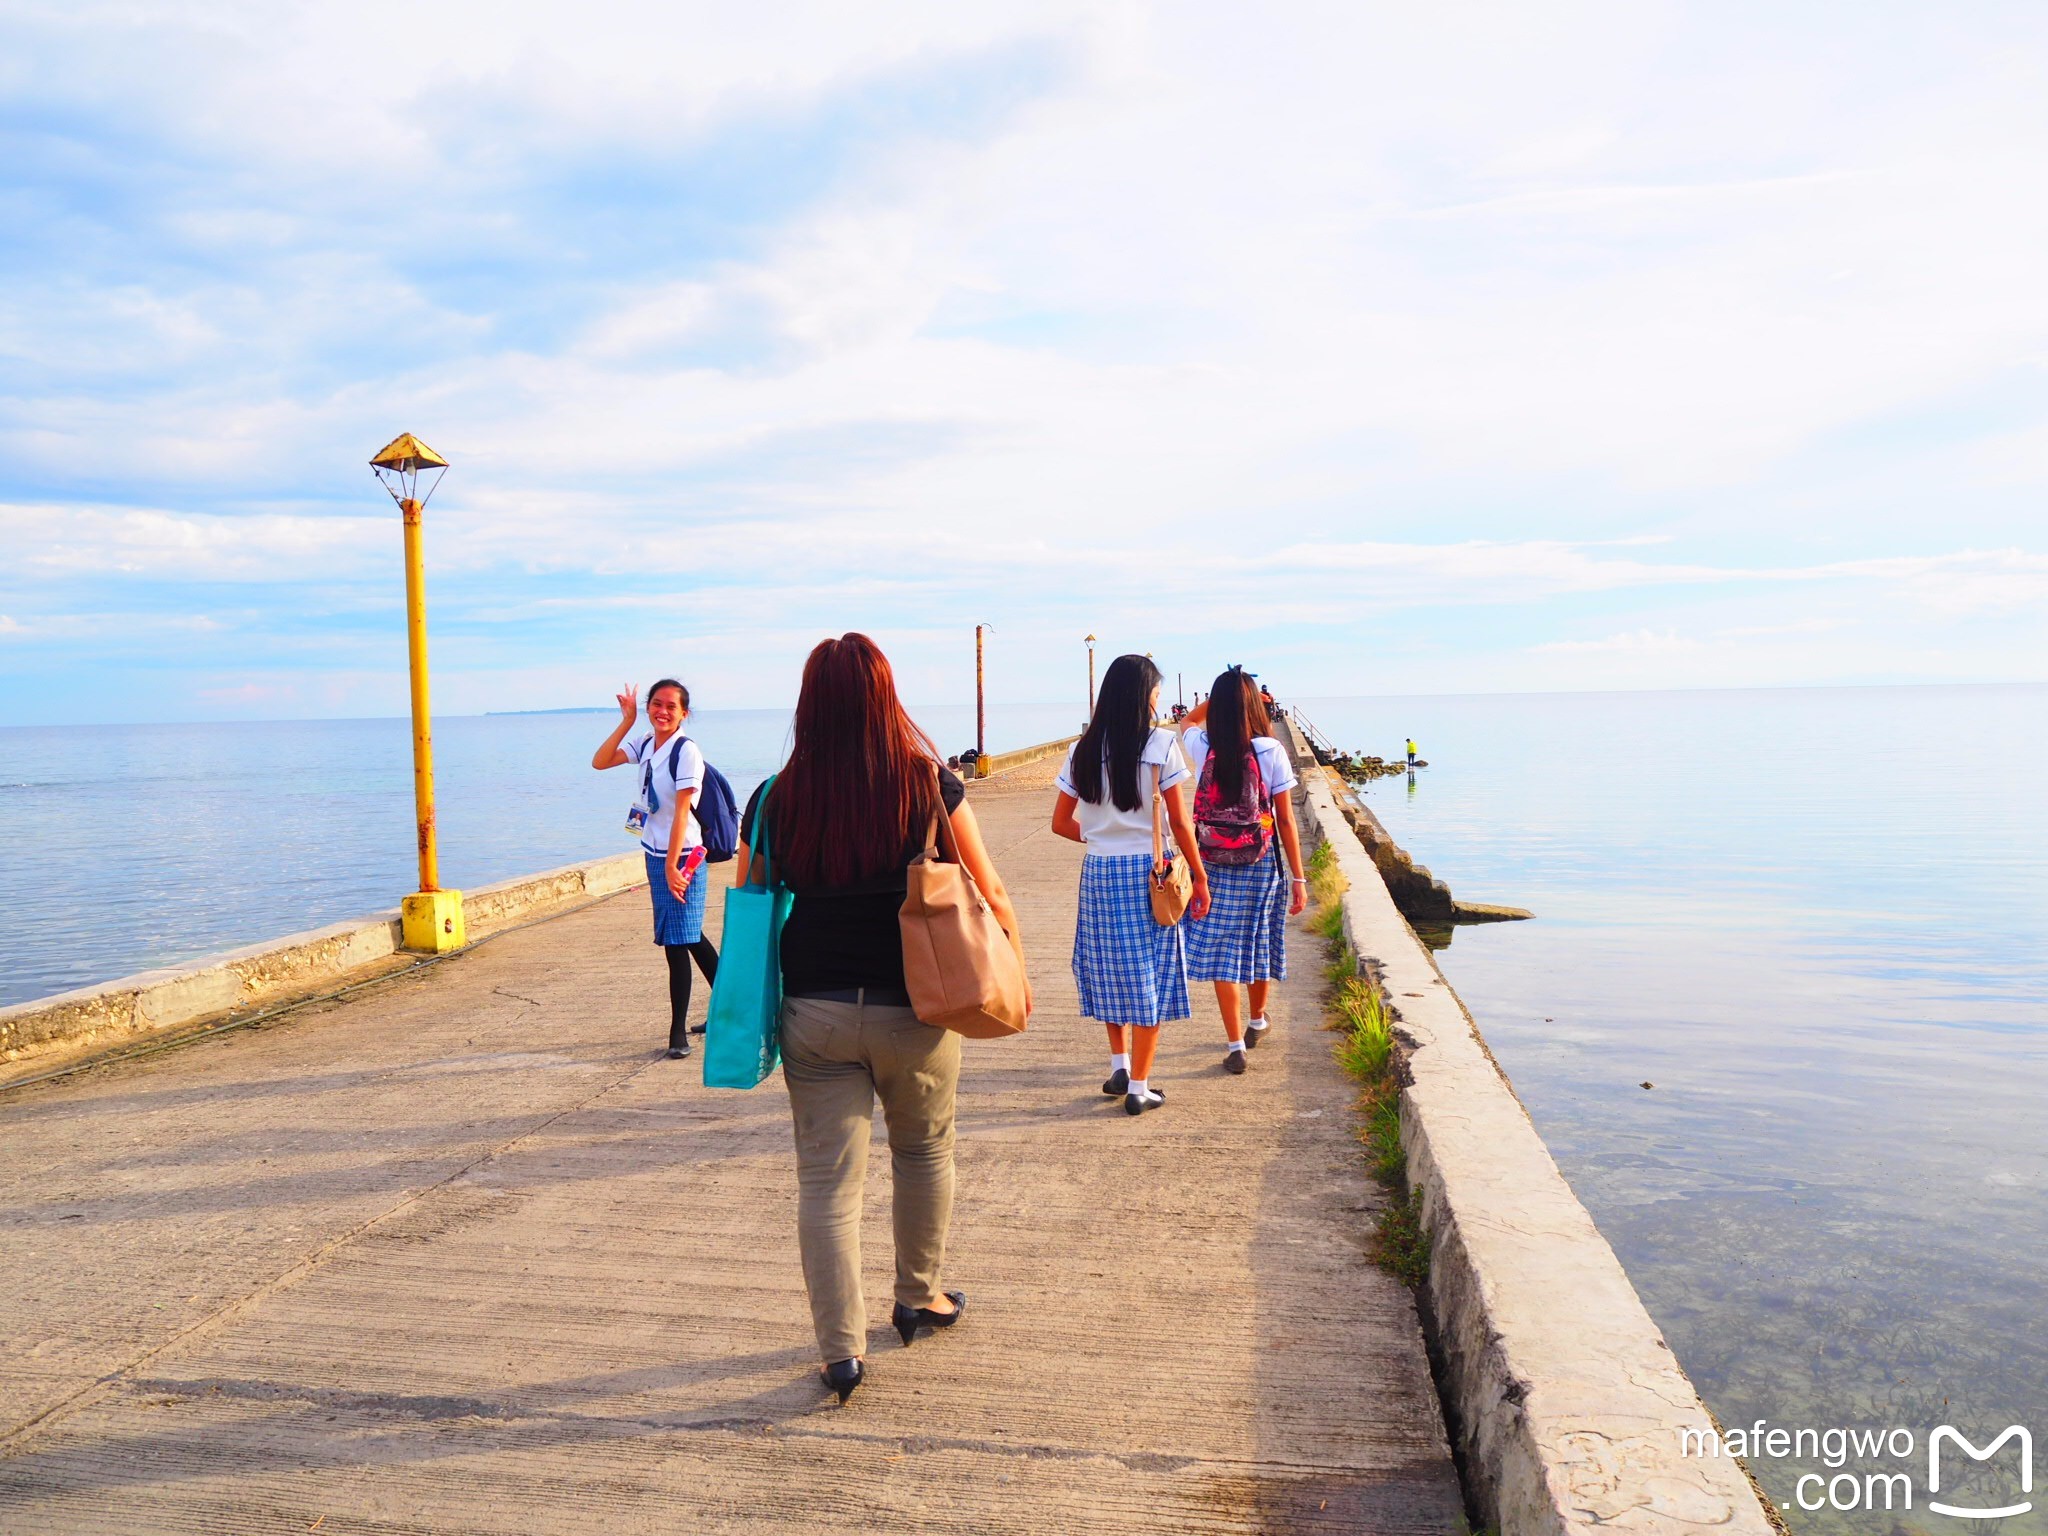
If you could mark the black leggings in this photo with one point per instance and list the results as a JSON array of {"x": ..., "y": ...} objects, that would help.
[{"x": 679, "y": 957}]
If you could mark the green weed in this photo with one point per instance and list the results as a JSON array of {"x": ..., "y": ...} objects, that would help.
[
  {"x": 1357, "y": 1013},
  {"x": 1399, "y": 1244}
]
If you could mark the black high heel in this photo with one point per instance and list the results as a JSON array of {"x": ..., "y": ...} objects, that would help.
[
  {"x": 909, "y": 1319},
  {"x": 842, "y": 1376}
]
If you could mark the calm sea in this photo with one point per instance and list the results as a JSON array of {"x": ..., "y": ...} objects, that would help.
[
  {"x": 127, "y": 847},
  {"x": 1817, "y": 922}
]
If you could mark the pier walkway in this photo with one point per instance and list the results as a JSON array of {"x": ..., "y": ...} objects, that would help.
[{"x": 462, "y": 1254}]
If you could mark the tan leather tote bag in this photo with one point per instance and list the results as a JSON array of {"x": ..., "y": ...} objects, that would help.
[
  {"x": 1173, "y": 883},
  {"x": 961, "y": 969}
]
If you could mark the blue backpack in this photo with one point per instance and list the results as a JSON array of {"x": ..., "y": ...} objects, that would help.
[{"x": 717, "y": 813}]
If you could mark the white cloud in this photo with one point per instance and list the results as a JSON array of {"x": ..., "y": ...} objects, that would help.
[
  {"x": 92, "y": 542},
  {"x": 1387, "y": 310}
]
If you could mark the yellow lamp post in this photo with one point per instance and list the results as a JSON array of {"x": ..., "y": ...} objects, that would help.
[
  {"x": 1091, "y": 677},
  {"x": 431, "y": 918}
]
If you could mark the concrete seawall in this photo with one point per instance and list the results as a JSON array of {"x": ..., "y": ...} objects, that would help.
[
  {"x": 52, "y": 1030},
  {"x": 1003, "y": 762},
  {"x": 1562, "y": 1398}
]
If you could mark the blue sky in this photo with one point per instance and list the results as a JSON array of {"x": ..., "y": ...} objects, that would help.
[{"x": 1386, "y": 349}]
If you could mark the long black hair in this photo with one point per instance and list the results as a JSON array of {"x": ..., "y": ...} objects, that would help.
[
  {"x": 1119, "y": 729},
  {"x": 1236, "y": 715}
]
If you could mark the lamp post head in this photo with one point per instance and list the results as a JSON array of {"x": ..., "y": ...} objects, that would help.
[
  {"x": 397, "y": 468},
  {"x": 1089, "y": 638}
]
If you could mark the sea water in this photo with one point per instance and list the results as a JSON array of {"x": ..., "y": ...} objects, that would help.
[
  {"x": 1782, "y": 1017},
  {"x": 128, "y": 847}
]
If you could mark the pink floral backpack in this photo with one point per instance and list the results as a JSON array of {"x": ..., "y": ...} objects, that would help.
[{"x": 1238, "y": 831}]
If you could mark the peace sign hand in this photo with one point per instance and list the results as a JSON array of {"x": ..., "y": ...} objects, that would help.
[{"x": 629, "y": 703}]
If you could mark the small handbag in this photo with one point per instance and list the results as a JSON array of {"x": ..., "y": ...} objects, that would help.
[
  {"x": 960, "y": 968},
  {"x": 1173, "y": 883},
  {"x": 743, "y": 1029}
]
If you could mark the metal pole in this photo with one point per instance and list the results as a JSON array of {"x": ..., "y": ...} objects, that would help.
[
  {"x": 422, "y": 731},
  {"x": 980, "y": 699},
  {"x": 1091, "y": 681}
]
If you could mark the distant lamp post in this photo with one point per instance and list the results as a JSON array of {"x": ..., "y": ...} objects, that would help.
[
  {"x": 980, "y": 700},
  {"x": 431, "y": 918},
  {"x": 1091, "y": 677}
]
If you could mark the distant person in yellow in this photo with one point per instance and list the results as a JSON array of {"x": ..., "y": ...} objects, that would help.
[{"x": 1411, "y": 751}]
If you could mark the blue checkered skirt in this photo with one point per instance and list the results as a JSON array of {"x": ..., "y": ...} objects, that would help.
[
  {"x": 1130, "y": 969},
  {"x": 676, "y": 922},
  {"x": 1244, "y": 936}
]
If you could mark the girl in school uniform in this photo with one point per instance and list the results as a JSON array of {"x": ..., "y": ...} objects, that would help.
[
  {"x": 671, "y": 774},
  {"x": 1245, "y": 823},
  {"x": 1131, "y": 970}
]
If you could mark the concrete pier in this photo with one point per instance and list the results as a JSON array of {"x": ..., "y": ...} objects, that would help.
[{"x": 462, "y": 1254}]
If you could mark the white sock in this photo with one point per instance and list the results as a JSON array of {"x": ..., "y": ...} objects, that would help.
[
  {"x": 1237, "y": 1045},
  {"x": 1120, "y": 1063},
  {"x": 1258, "y": 1023},
  {"x": 1140, "y": 1087}
]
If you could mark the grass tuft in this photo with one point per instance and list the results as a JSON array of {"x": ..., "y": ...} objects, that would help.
[
  {"x": 1399, "y": 1244},
  {"x": 1357, "y": 1013}
]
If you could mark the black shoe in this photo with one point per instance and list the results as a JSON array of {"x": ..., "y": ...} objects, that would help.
[
  {"x": 909, "y": 1319},
  {"x": 696, "y": 1029},
  {"x": 842, "y": 1376},
  {"x": 1234, "y": 1062},
  {"x": 678, "y": 1052},
  {"x": 1138, "y": 1103},
  {"x": 1252, "y": 1037},
  {"x": 1119, "y": 1083}
]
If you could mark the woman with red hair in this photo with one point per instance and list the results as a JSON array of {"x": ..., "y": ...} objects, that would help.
[{"x": 845, "y": 817}]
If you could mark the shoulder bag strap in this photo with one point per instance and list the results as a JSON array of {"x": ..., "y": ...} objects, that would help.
[
  {"x": 760, "y": 844},
  {"x": 1158, "y": 838},
  {"x": 939, "y": 843}
]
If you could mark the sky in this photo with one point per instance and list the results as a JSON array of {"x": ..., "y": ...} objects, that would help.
[{"x": 1381, "y": 348}]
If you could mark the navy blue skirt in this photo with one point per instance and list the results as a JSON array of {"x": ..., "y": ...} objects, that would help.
[{"x": 676, "y": 922}]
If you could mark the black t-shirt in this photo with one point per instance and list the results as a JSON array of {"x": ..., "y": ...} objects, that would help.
[{"x": 847, "y": 936}]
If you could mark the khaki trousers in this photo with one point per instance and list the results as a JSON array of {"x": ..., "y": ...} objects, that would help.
[{"x": 837, "y": 1058}]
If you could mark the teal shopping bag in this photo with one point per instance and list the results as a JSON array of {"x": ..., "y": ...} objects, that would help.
[{"x": 742, "y": 1035}]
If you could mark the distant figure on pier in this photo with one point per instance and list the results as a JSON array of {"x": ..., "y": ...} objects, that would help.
[
  {"x": 1266, "y": 698},
  {"x": 846, "y": 815},
  {"x": 1131, "y": 970},
  {"x": 1411, "y": 751},
  {"x": 1245, "y": 822},
  {"x": 671, "y": 775}
]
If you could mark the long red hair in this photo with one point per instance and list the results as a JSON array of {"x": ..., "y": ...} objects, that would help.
[{"x": 859, "y": 780}]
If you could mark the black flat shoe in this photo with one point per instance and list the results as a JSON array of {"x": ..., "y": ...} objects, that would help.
[
  {"x": 1119, "y": 1083},
  {"x": 909, "y": 1319},
  {"x": 1234, "y": 1062},
  {"x": 678, "y": 1052},
  {"x": 1138, "y": 1103},
  {"x": 842, "y": 1376},
  {"x": 1252, "y": 1037},
  {"x": 696, "y": 1029}
]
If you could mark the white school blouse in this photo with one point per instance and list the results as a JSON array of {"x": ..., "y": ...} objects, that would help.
[
  {"x": 1110, "y": 832},
  {"x": 689, "y": 775}
]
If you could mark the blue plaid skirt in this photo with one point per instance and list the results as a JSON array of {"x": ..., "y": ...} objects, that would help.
[
  {"x": 1244, "y": 937},
  {"x": 1130, "y": 969},
  {"x": 677, "y": 922}
]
